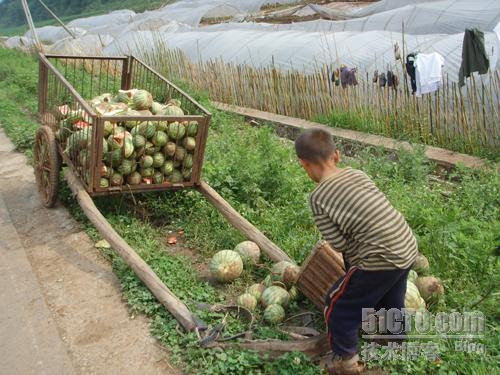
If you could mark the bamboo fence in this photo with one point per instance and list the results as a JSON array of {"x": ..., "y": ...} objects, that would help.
[{"x": 462, "y": 119}]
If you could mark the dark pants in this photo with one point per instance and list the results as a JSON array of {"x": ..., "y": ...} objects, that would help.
[{"x": 356, "y": 290}]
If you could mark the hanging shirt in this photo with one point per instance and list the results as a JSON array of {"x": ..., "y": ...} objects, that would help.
[
  {"x": 344, "y": 76},
  {"x": 382, "y": 80},
  {"x": 428, "y": 72},
  {"x": 410, "y": 69},
  {"x": 474, "y": 57}
]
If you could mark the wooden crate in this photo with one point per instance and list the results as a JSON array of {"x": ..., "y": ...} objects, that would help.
[{"x": 319, "y": 272}]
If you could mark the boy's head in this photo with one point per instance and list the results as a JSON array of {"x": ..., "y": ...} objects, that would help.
[{"x": 317, "y": 153}]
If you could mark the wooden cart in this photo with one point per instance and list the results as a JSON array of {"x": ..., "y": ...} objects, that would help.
[{"x": 66, "y": 85}]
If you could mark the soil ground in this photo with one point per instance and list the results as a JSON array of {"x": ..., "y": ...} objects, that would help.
[{"x": 60, "y": 304}]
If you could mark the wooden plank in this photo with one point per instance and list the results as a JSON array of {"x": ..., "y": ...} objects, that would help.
[
  {"x": 442, "y": 157},
  {"x": 314, "y": 347},
  {"x": 242, "y": 224},
  {"x": 175, "y": 306}
]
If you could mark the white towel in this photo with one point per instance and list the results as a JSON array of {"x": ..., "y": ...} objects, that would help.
[{"x": 428, "y": 72}]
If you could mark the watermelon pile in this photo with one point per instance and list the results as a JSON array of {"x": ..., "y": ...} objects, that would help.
[
  {"x": 148, "y": 152},
  {"x": 422, "y": 289}
]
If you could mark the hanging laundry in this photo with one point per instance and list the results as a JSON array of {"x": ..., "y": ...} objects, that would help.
[
  {"x": 351, "y": 77},
  {"x": 428, "y": 72},
  {"x": 474, "y": 57},
  {"x": 382, "y": 80},
  {"x": 344, "y": 75},
  {"x": 390, "y": 78},
  {"x": 375, "y": 76},
  {"x": 335, "y": 78},
  {"x": 410, "y": 69}
]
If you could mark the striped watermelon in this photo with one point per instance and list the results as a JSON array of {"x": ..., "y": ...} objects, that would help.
[
  {"x": 256, "y": 290},
  {"x": 275, "y": 295},
  {"x": 226, "y": 265},
  {"x": 247, "y": 301},
  {"x": 274, "y": 313},
  {"x": 248, "y": 250}
]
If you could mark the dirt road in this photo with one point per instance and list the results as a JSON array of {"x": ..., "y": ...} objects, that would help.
[{"x": 60, "y": 304}]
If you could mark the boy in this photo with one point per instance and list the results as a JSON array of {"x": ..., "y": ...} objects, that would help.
[{"x": 377, "y": 244}]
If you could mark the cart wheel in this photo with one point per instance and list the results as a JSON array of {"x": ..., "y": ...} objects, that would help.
[{"x": 47, "y": 163}]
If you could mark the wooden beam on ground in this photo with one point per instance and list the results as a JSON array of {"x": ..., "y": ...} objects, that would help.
[
  {"x": 242, "y": 224},
  {"x": 175, "y": 306},
  {"x": 314, "y": 347},
  {"x": 440, "y": 156}
]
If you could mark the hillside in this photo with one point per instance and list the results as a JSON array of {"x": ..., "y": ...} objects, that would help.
[{"x": 12, "y": 19}]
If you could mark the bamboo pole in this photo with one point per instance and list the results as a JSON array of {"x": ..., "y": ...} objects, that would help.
[
  {"x": 57, "y": 19},
  {"x": 31, "y": 25},
  {"x": 178, "y": 309}
]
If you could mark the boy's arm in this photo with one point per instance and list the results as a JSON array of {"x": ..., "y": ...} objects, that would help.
[{"x": 328, "y": 227}]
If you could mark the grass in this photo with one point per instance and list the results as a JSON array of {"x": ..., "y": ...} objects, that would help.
[{"x": 456, "y": 222}]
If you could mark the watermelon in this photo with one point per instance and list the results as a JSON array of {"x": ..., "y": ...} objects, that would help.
[
  {"x": 180, "y": 153},
  {"x": 171, "y": 110},
  {"x": 275, "y": 294},
  {"x": 125, "y": 168},
  {"x": 167, "y": 168},
  {"x": 176, "y": 130},
  {"x": 430, "y": 288},
  {"x": 188, "y": 161},
  {"x": 149, "y": 149},
  {"x": 146, "y": 129},
  {"x": 156, "y": 108},
  {"x": 169, "y": 149},
  {"x": 290, "y": 275},
  {"x": 147, "y": 172},
  {"x": 78, "y": 140},
  {"x": 294, "y": 293},
  {"x": 139, "y": 141},
  {"x": 142, "y": 100},
  {"x": 274, "y": 313},
  {"x": 248, "y": 250},
  {"x": 162, "y": 125},
  {"x": 158, "y": 159},
  {"x": 278, "y": 269},
  {"x": 256, "y": 290},
  {"x": 175, "y": 102},
  {"x": 192, "y": 128},
  {"x": 134, "y": 178},
  {"x": 412, "y": 276},
  {"x": 107, "y": 128},
  {"x": 176, "y": 176},
  {"x": 268, "y": 281},
  {"x": 118, "y": 130},
  {"x": 130, "y": 124},
  {"x": 158, "y": 177},
  {"x": 186, "y": 173},
  {"x": 421, "y": 265},
  {"x": 177, "y": 163},
  {"x": 189, "y": 143},
  {"x": 413, "y": 300},
  {"x": 125, "y": 96},
  {"x": 226, "y": 266},
  {"x": 160, "y": 139},
  {"x": 247, "y": 301},
  {"x": 116, "y": 179},
  {"x": 147, "y": 161},
  {"x": 104, "y": 182}
]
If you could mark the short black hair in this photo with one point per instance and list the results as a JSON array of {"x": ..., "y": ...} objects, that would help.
[{"x": 314, "y": 145}]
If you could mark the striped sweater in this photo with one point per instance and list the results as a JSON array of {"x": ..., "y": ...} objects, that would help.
[{"x": 356, "y": 218}]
